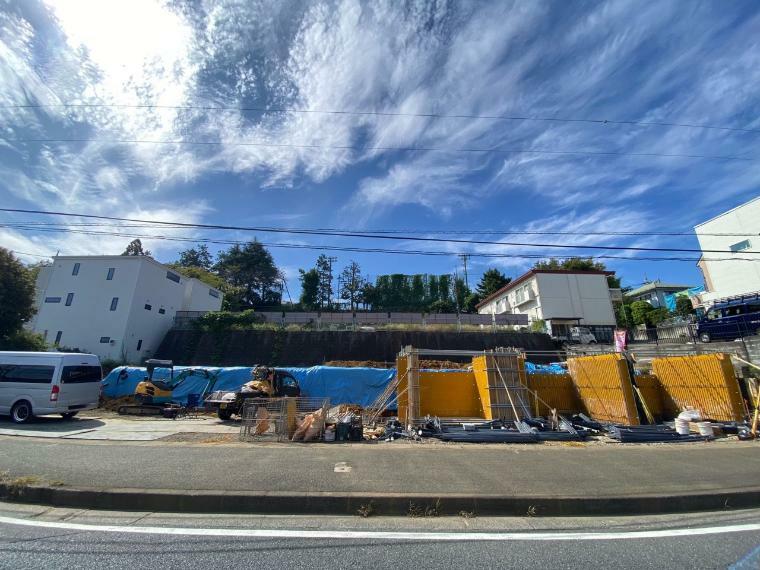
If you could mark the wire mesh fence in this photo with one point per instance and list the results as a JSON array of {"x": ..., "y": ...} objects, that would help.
[{"x": 283, "y": 419}]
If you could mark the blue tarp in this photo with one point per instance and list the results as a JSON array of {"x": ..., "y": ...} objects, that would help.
[
  {"x": 552, "y": 368},
  {"x": 342, "y": 385}
]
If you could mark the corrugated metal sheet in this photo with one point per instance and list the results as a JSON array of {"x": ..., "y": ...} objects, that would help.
[
  {"x": 706, "y": 382},
  {"x": 604, "y": 386},
  {"x": 554, "y": 391}
]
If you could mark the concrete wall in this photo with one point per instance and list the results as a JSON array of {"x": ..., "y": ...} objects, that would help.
[
  {"x": 732, "y": 277},
  {"x": 305, "y": 348},
  {"x": 572, "y": 295}
]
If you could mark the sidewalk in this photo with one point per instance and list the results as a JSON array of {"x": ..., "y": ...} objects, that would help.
[{"x": 493, "y": 479}]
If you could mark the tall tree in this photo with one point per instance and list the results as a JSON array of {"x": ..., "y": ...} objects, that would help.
[
  {"x": 309, "y": 289},
  {"x": 461, "y": 293},
  {"x": 444, "y": 288},
  {"x": 251, "y": 268},
  {"x": 16, "y": 294},
  {"x": 135, "y": 248},
  {"x": 417, "y": 292},
  {"x": 198, "y": 256},
  {"x": 324, "y": 268},
  {"x": 491, "y": 281},
  {"x": 352, "y": 283}
]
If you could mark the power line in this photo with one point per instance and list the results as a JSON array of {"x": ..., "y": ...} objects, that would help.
[
  {"x": 429, "y": 231},
  {"x": 365, "y": 235},
  {"x": 285, "y": 110},
  {"x": 386, "y": 148},
  {"x": 435, "y": 253}
]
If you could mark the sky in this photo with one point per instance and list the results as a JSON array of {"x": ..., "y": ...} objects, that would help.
[{"x": 376, "y": 115}]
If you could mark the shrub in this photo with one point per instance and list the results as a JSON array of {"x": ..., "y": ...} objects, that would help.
[
  {"x": 23, "y": 340},
  {"x": 108, "y": 364},
  {"x": 538, "y": 326},
  {"x": 226, "y": 320}
]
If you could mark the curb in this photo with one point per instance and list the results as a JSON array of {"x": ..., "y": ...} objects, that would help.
[{"x": 383, "y": 504}]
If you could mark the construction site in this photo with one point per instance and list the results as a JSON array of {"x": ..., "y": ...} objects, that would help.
[{"x": 436, "y": 396}]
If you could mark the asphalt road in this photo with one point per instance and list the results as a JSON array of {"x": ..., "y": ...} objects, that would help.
[{"x": 168, "y": 544}]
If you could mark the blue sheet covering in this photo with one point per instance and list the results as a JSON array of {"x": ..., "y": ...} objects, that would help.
[{"x": 342, "y": 385}]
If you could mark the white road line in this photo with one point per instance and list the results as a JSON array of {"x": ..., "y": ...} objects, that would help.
[{"x": 386, "y": 535}]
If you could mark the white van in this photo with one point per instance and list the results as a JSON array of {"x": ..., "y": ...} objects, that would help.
[{"x": 40, "y": 383}]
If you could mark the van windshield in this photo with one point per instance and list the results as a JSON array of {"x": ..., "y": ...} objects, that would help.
[{"x": 80, "y": 374}]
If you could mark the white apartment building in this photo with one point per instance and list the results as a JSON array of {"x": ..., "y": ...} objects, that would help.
[
  {"x": 729, "y": 278},
  {"x": 115, "y": 306},
  {"x": 561, "y": 298}
]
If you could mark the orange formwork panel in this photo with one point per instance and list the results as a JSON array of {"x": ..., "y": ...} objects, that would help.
[
  {"x": 604, "y": 386},
  {"x": 555, "y": 391},
  {"x": 449, "y": 395},
  {"x": 706, "y": 382}
]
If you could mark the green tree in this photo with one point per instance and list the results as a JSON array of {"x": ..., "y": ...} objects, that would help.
[
  {"x": 309, "y": 289},
  {"x": 684, "y": 308},
  {"x": 135, "y": 248},
  {"x": 196, "y": 257},
  {"x": 578, "y": 264},
  {"x": 324, "y": 269},
  {"x": 417, "y": 292},
  {"x": 470, "y": 303},
  {"x": 351, "y": 284},
  {"x": 491, "y": 281},
  {"x": 639, "y": 312},
  {"x": 441, "y": 307},
  {"x": 251, "y": 268},
  {"x": 368, "y": 294},
  {"x": 461, "y": 292},
  {"x": 656, "y": 316},
  {"x": 623, "y": 316},
  {"x": 16, "y": 300},
  {"x": 434, "y": 291},
  {"x": 444, "y": 288}
]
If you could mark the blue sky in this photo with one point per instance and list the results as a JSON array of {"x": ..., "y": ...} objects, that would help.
[{"x": 672, "y": 62}]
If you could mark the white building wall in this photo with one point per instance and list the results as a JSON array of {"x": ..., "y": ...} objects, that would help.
[
  {"x": 138, "y": 283},
  {"x": 730, "y": 278},
  {"x": 199, "y": 296},
  {"x": 89, "y": 317},
  {"x": 575, "y": 295},
  {"x": 551, "y": 296}
]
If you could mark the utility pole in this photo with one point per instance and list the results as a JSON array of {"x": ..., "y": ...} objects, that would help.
[{"x": 464, "y": 257}]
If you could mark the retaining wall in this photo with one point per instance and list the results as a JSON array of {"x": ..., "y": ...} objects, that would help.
[{"x": 308, "y": 348}]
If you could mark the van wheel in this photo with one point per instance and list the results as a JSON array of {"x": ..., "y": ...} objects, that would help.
[
  {"x": 705, "y": 337},
  {"x": 68, "y": 415},
  {"x": 21, "y": 412}
]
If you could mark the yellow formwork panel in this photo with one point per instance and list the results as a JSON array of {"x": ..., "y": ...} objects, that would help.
[
  {"x": 651, "y": 392},
  {"x": 449, "y": 394},
  {"x": 490, "y": 384},
  {"x": 554, "y": 391},
  {"x": 604, "y": 386},
  {"x": 705, "y": 382}
]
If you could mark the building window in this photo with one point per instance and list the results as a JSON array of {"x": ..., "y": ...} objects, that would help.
[
  {"x": 214, "y": 293},
  {"x": 114, "y": 303},
  {"x": 105, "y": 339},
  {"x": 139, "y": 344},
  {"x": 58, "y": 336},
  {"x": 111, "y": 271},
  {"x": 148, "y": 307},
  {"x": 69, "y": 299},
  {"x": 741, "y": 246},
  {"x": 172, "y": 276},
  {"x": 52, "y": 299},
  {"x": 75, "y": 271},
  {"x": 162, "y": 311}
]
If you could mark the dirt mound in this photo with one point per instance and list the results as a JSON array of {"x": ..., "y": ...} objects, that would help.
[{"x": 432, "y": 364}]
